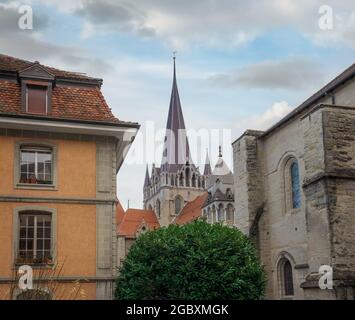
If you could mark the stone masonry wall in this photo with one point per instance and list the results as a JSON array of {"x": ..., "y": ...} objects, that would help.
[
  {"x": 330, "y": 193},
  {"x": 247, "y": 180}
]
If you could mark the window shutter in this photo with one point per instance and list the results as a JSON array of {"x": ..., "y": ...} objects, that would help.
[{"x": 36, "y": 99}]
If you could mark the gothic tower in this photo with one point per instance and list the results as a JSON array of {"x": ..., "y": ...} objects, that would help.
[{"x": 177, "y": 180}]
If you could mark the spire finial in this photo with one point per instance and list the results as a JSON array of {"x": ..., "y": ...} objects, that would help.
[
  {"x": 220, "y": 151},
  {"x": 174, "y": 58}
]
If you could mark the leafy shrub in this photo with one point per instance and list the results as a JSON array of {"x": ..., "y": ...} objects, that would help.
[{"x": 193, "y": 261}]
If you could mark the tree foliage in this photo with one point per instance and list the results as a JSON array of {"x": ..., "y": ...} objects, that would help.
[{"x": 193, "y": 261}]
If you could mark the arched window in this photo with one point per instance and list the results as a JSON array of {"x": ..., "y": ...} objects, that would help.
[
  {"x": 157, "y": 208},
  {"x": 194, "y": 180},
  {"x": 220, "y": 213},
  {"x": 230, "y": 214},
  {"x": 295, "y": 186},
  {"x": 178, "y": 204},
  {"x": 181, "y": 180},
  {"x": 187, "y": 177},
  {"x": 286, "y": 277},
  {"x": 209, "y": 215},
  {"x": 213, "y": 214}
]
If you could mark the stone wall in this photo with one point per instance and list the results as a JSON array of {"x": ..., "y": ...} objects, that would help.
[
  {"x": 106, "y": 239},
  {"x": 248, "y": 193},
  {"x": 330, "y": 193}
]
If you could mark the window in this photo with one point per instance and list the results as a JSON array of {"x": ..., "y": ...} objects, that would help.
[
  {"x": 288, "y": 279},
  {"x": 220, "y": 213},
  {"x": 158, "y": 208},
  {"x": 36, "y": 99},
  {"x": 295, "y": 185},
  {"x": 178, "y": 204},
  {"x": 35, "y": 234},
  {"x": 36, "y": 165},
  {"x": 230, "y": 214},
  {"x": 209, "y": 216}
]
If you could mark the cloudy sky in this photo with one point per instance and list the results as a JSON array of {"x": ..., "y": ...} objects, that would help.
[{"x": 241, "y": 64}]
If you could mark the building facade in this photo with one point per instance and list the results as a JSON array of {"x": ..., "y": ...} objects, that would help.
[
  {"x": 295, "y": 194},
  {"x": 60, "y": 150}
]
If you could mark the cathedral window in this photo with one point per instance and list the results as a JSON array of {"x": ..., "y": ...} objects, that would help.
[
  {"x": 285, "y": 277},
  {"x": 220, "y": 213},
  {"x": 193, "y": 181},
  {"x": 209, "y": 215},
  {"x": 178, "y": 204},
  {"x": 291, "y": 185},
  {"x": 295, "y": 185},
  {"x": 230, "y": 214},
  {"x": 158, "y": 208},
  {"x": 187, "y": 177},
  {"x": 181, "y": 180}
]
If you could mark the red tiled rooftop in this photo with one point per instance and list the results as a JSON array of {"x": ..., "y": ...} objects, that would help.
[
  {"x": 192, "y": 210},
  {"x": 8, "y": 63},
  {"x": 134, "y": 218},
  {"x": 119, "y": 213},
  {"x": 69, "y": 102}
]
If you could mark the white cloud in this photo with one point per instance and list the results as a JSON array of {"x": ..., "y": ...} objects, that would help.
[
  {"x": 210, "y": 22},
  {"x": 265, "y": 120}
]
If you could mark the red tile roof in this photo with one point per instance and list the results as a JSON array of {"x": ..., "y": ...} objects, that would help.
[
  {"x": 192, "y": 210},
  {"x": 70, "y": 102},
  {"x": 133, "y": 220},
  {"x": 119, "y": 213},
  {"x": 8, "y": 63}
]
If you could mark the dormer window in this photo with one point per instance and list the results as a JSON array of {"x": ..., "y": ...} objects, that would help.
[
  {"x": 36, "y": 89},
  {"x": 36, "y": 99}
]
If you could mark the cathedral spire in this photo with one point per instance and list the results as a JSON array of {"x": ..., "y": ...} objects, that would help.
[
  {"x": 176, "y": 146},
  {"x": 146, "y": 180},
  {"x": 208, "y": 170}
]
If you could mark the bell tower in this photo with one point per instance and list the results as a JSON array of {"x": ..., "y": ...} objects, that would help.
[{"x": 178, "y": 180}]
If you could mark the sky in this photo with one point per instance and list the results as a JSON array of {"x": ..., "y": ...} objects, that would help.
[{"x": 240, "y": 64}]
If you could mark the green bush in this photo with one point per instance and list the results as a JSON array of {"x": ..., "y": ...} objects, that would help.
[{"x": 193, "y": 261}]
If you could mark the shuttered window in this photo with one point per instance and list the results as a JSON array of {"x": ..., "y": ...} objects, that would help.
[{"x": 36, "y": 99}]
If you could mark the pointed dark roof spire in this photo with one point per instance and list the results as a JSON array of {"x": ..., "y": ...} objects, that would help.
[
  {"x": 220, "y": 152},
  {"x": 176, "y": 150},
  {"x": 146, "y": 180},
  {"x": 208, "y": 170}
]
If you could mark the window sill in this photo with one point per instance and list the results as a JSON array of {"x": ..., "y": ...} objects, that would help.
[
  {"x": 294, "y": 211},
  {"x": 36, "y": 186},
  {"x": 36, "y": 265}
]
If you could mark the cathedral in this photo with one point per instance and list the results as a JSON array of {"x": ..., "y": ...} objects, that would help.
[
  {"x": 292, "y": 192},
  {"x": 178, "y": 181}
]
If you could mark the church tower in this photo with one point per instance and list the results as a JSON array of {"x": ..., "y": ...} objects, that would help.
[{"x": 177, "y": 180}]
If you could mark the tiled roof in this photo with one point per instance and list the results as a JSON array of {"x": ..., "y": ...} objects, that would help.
[
  {"x": 192, "y": 210},
  {"x": 119, "y": 213},
  {"x": 77, "y": 103},
  {"x": 8, "y": 63},
  {"x": 69, "y": 102},
  {"x": 133, "y": 219}
]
